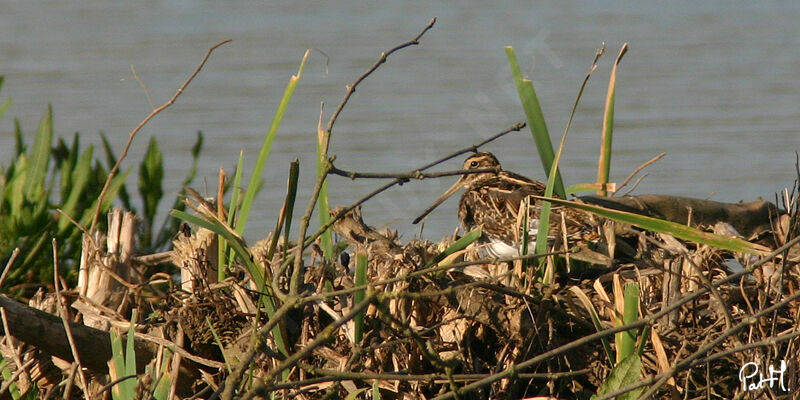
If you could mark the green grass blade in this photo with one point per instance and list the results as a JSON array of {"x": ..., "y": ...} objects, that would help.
[
  {"x": 233, "y": 212},
  {"x": 376, "y": 391},
  {"x": 626, "y": 340},
  {"x": 582, "y": 188},
  {"x": 285, "y": 218},
  {"x": 130, "y": 351},
  {"x": 535, "y": 117},
  {"x": 459, "y": 245},
  {"x": 255, "y": 177},
  {"x": 604, "y": 164},
  {"x": 323, "y": 208},
  {"x": 40, "y": 157},
  {"x": 595, "y": 317},
  {"x": 219, "y": 344},
  {"x": 81, "y": 174},
  {"x": 151, "y": 177},
  {"x": 553, "y": 183},
  {"x": 125, "y": 390},
  {"x": 6, "y": 104},
  {"x": 659, "y": 225},
  {"x": 358, "y": 297}
]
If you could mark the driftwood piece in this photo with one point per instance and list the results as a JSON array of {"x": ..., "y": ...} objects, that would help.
[
  {"x": 46, "y": 332},
  {"x": 750, "y": 219}
]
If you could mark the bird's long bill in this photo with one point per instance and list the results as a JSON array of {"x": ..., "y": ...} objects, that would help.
[{"x": 449, "y": 192}]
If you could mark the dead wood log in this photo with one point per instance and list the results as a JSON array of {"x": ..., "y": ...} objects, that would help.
[
  {"x": 46, "y": 332},
  {"x": 750, "y": 219}
]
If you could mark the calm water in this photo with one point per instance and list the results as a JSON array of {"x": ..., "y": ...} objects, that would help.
[{"x": 715, "y": 85}]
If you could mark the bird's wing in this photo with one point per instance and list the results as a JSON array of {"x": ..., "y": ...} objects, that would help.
[{"x": 495, "y": 204}]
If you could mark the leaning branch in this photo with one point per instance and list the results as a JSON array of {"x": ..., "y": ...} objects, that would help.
[{"x": 140, "y": 126}]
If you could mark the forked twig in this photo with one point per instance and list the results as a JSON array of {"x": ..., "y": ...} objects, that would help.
[
  {"x": 382, "y": 59},
  {"x": 140, "y": 126},
  {"x": 639, "y": 169}
]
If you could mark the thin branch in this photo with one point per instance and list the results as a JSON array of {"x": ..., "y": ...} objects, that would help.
[
  {"x": 408, "y": 175},
  {"x": 142, "y": 85},
  {"x": 64, "y": 318},
  {"x": 135, "y": 130},
  {"x": 382, "y": 59},
  {"x": 639, "y": 169},
  {"x": 7, "y": 268}
]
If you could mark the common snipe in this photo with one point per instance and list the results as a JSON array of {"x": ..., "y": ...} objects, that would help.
[{"x": 492, "y": 201}]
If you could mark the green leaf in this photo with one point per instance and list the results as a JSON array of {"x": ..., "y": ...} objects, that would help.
[
  {"x": 6, "y": 374},
  {"x": 326, "y": 240},
  {"x": 535, "y": 117},
  {"x": 358, "y": 296},
  {"x": 354, "y": 394},
  {"x": 604, "y": 163},
  {"x": 626, "y": 340},
  {"x": 376, "y": 391},
  {"x": 659, "y": 225},
  {"x": 40, "y": 157},
  {"x": 218, "y": 341},
  {"x": 459, "y": 244},
  {"x": 125, "y": 390},
  {"x": 80, "y": 178},
  {"x": 6, "y": 104},
  {"x": 255, "y": 177},
  {"x": 625, "y": 373},
  {"x": 130, "y": 351},
  {"x": 151, "y": 176}
]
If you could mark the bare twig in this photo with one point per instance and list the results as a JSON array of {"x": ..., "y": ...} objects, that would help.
[
  {"x": 142, "y": 85},
  {"x": 408, "y": 175},
  {"x": 7, "y": 268},
  {"x": 64, "y": 318},
  {"x": 135, "y": 130},
  {"x": 382, "y": 59},
  {"x": 639, "y": 169},
  {"x": 14, "y": 349}
]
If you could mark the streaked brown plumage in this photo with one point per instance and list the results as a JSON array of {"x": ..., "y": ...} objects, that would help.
[{"x": 492, "y": 201}]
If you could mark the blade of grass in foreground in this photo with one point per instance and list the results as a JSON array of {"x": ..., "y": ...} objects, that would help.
[
  {"x": 536, "y": 123},
  {"x": 323, "y": 208},
  {"x": 604, "y": 164},
  {"x": 659, "y": 225},
  {"x": 358, "y": 297},
  {"x": 458, "y": 245},
  {"x": 544, "y": 215},
  {"x": 255, "y": 177}
]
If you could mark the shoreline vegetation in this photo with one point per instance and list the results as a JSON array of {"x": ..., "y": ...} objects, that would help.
[{"x": 679, "y": 298}]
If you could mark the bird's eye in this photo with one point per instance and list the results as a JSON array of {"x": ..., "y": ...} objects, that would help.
[{"x": 473, "y": 164}]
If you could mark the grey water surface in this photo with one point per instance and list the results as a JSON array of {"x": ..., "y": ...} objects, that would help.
[{"x": 715, "y": 85}]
